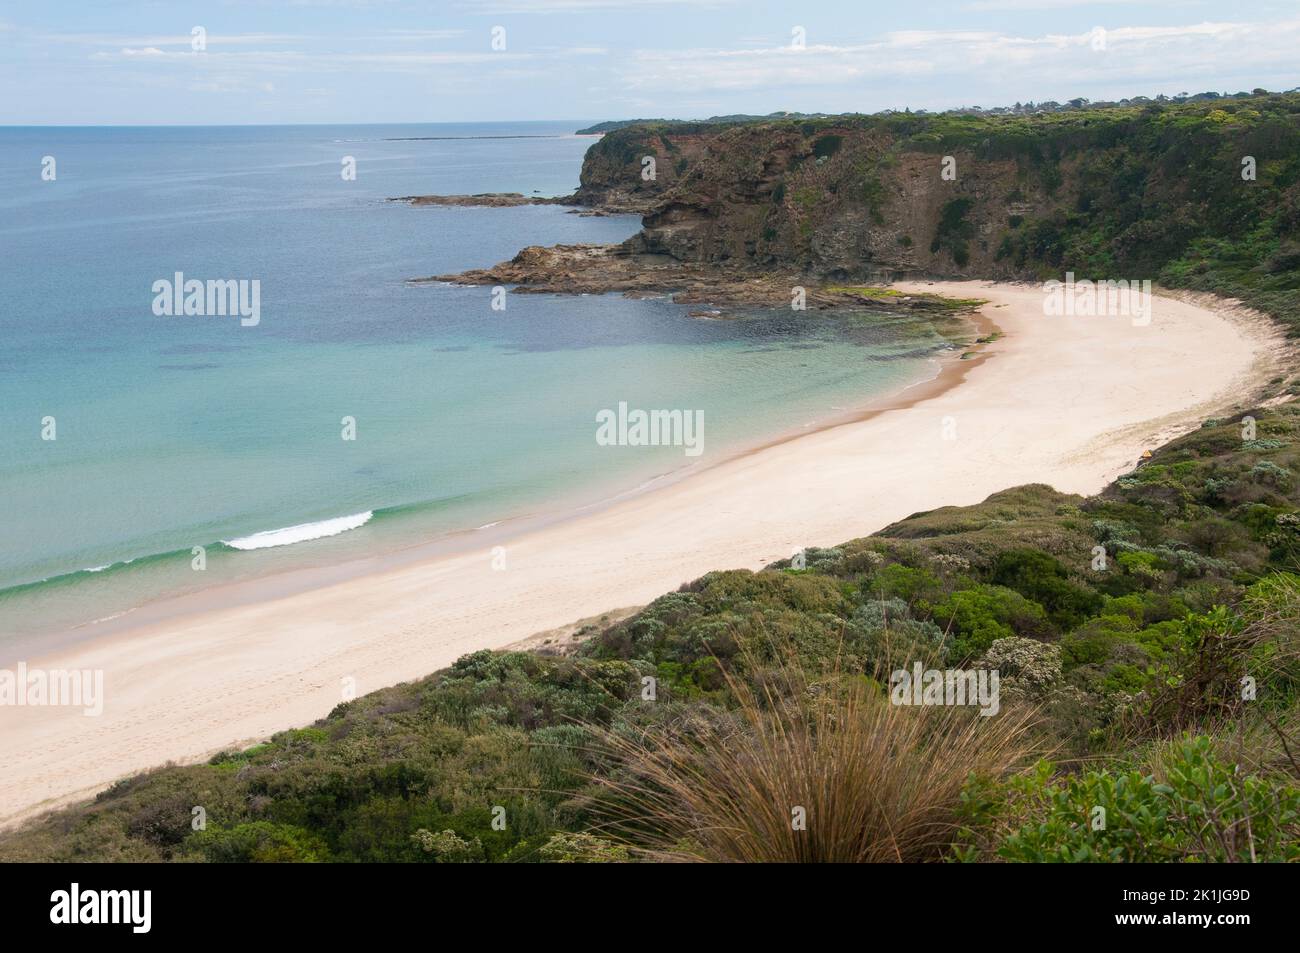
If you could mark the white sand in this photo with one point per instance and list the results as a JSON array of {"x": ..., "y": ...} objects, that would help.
[{"x": 1067, "y": 401}]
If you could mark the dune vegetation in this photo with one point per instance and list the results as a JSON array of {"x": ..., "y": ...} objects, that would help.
[{"x": 1146, "y": 640}]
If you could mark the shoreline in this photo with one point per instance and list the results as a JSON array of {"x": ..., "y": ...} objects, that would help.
[
  {"x": 1073, "y": 409},
  {"x": 292, "y": 580}
]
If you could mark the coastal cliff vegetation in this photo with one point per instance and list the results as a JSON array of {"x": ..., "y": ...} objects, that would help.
[{"x": 1201, "y": 194}]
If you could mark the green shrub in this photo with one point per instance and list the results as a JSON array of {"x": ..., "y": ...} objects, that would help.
[
  {"x": 1044, "y": 579},
  {"x": 257, "y": 842},
  {"x": 579, "y": 848},
  {"x": 954, "y": 231},
  {"x": 827, "y": 146},
  {"x": 915, "y": 586},
  {"x": 1203, "y": 810},
  {"x": 975, "y": 618}
]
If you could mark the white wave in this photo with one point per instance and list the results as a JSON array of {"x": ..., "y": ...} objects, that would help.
[
  {"x": 300, "y": 533},
  {"x": 108, "y": 618}
]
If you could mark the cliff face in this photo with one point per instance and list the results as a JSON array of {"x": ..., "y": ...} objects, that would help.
[
  {"x": 843, "y": 202},
  {"x": 1125, "y": 192},
  {"x": 615, "y": 177}
]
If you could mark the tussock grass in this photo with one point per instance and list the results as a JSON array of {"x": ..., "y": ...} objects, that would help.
[{"x": 877, "y": 782}]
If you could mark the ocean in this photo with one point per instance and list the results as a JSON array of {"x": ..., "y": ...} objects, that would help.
[{"x": 360, "y": 414}]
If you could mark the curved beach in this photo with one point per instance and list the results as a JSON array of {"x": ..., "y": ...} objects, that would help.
[{"x": 1069, "y": 401}]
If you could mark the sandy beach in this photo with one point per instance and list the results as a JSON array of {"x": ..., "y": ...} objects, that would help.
[{"x": 1069, "y": 401}]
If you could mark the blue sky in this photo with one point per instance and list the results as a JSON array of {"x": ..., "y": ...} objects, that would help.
[{"x": 274, "y": 61}]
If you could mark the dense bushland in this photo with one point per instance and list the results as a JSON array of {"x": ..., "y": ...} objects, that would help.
[{"x": 1147, "y": 640}]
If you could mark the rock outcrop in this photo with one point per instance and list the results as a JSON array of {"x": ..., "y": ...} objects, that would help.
[
  {"x": 480, "y": 200},
  {"x": 1154, "y": 192}
]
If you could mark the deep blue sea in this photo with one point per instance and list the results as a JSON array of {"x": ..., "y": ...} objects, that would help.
[{"x": 172, "y": 432}]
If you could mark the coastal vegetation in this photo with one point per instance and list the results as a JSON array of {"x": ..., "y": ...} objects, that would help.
[
  {"x": 1196, "y": 192},
  {"x": 1148, "y": 640}
]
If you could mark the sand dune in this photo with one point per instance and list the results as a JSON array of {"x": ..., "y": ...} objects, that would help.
[{"x": 1067, "y": 401}]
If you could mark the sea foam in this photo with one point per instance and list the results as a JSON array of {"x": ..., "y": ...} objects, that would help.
[{"x": 300, "y": 533}]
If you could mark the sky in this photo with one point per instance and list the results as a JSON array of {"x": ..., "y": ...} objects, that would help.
[{"x": 89, "y": 62}]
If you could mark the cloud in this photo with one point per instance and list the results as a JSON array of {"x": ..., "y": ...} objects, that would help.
[
  {"x": 1195, "y": 54},
  {"x": 562, "y": 51},
  {"x": 422, "y": 34},
  {"x": 579, "y": 6},
  {"x": 243, "y": 39},
  {"x": 231, "y": 84},
  {"x": 988, "y": 6},
  {"x": 176, "y": 39},
  {"x": 300, "y": 61}
]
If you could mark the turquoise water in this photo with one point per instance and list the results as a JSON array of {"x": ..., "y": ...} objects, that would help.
[{"x": 175, "y": 432}]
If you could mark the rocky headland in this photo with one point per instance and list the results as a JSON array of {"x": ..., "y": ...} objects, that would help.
[
  {"x": 622, "y": 269},
  {"x": 745, "y": 212}
]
